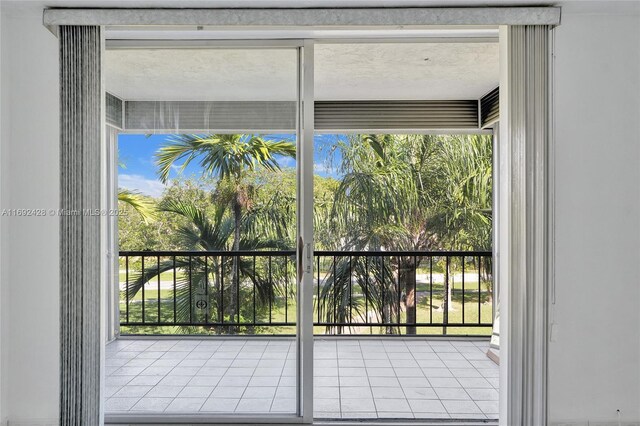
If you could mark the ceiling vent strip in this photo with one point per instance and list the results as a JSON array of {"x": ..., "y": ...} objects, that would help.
[
  {"x": 490, "y": 108},
  {"x": 114, "y": 111},
  {"x": 396, "y": 115},
  {"x": 280, "y": 116},
  {"x": 217, "y": 116}
]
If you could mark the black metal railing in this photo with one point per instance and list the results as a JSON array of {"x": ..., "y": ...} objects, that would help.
[{"x": 355, "y": 292}]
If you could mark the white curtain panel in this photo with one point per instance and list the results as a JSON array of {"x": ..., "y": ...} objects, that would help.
[
  {"x": 528, "y": 139},
  {"x": 80, "y": 140}
]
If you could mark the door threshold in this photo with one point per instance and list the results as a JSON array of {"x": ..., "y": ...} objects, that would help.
[
  {"x": 159, "y": 421},
  {"x": 405, "y": 422}
]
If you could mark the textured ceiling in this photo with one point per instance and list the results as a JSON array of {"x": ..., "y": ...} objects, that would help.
[
  {"x": 406, "y": 71},
  {"x": 342, "y": 72},
  {"x": 202, "y": 74}
]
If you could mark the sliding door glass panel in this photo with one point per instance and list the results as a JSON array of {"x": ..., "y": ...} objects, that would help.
[
  {"x": 207, "y": 234},
  {"x": 402, "y": 217},
  {"x": 401, "y": 172}
]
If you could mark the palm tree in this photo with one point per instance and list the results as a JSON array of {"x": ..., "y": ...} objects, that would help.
[
  {"x": 465, "y": 169},
  {"x": 385, "y": 202},
  {"x": 229, "y": 157},
  {"x": 406, "y": 193},
  {"x": 204, "y": 276}
]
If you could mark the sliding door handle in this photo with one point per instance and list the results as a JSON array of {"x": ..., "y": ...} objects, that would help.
[{"x": 305, "y": 259}]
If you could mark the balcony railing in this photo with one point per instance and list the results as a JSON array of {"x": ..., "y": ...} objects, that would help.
[{"x": 355, "y": 292}]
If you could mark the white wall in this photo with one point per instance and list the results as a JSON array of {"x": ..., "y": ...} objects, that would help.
[
  {"x": 594, "y": 363},
  {"x": 3, "y": 136},
  {"x": 29, "y": 177}
]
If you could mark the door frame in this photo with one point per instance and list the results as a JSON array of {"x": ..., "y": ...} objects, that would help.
[
  {"x": 304, "y": 170},
  {"x": 519, "y": 242},
  {"x": 304, "y": 212}
]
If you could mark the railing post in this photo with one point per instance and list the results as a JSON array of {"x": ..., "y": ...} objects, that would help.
[
  {"x": 254, "y": 290},
  {"x": 463, "y": 289},
  {"x": 159, "y": 288},
  {"x": 143, "y": 283},
  {"x": 126, "y": 268},
  {"x": 318, "y": 289},
  {"x": 445, "y": 314},
  {"x": 175, "y": 296},
  {"x": 222, "y": 290},
  {"x": 286, "y": 290},
  {"x": 203, "y": 293},
  {"x": 431, "y": 289},
  {"x": 335, "y": 297},
  {"x": 270, "y": 293},
  {"x": 237, "y": 283},
  {"x": 479, "y": 289},
  {"x": 366, "y": 290},
  {"x": 190, "y": 290}
]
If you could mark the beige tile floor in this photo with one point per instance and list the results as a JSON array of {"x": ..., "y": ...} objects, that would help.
[{"x": 354, "y": 378}]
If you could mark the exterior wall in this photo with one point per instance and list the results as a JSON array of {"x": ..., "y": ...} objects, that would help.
[{"x": 594, "y": 357}]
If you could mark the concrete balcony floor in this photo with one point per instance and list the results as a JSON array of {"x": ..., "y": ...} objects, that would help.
[{"x": 355, "y": 378}]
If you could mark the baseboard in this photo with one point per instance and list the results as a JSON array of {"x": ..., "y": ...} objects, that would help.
[
  {"x": 595, "y": 423},
  {"x": 493, "y": 355}
]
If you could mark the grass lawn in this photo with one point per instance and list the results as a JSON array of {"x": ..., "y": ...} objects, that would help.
[
  {"x": 165, "y": 276},
  {"x": 279, "y": 314}
]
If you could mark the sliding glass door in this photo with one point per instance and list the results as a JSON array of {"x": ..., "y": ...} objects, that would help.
[{"x": 215, "y": 139}]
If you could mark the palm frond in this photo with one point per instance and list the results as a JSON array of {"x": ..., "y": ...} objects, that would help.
[
  {"x": 222, "y": 155},
  {"x": 201, "y": 232},
  {"x": 145, "y": 207}
]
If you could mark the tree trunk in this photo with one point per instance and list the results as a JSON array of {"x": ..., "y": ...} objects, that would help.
[
  {"x": 386, "y": 318},
  {"x": 487, "y": 276},
  {"x": 407, "y": 277},
  {"x": 218, "y": 291},
  {"x": 233, "y": 292},
  {"x": 448, "y": 284}
]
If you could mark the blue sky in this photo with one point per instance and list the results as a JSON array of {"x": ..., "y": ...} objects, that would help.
[{"x": 137, "y": 170}]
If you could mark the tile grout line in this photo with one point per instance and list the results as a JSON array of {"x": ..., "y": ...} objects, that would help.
[
  {"x": 286, "y": 358},
  {"x": 182, "y": 388},
  {"x": 227, "y": 370},
  {"x": 451, "y": 415},
  {"x": 338, "y": 376},
  {"x": 238, "y": 350},
  {"x": 252, "y": 375},
  {"x": 420, "y": 368},
  {"x": 135, "y": 376},
  {"x": 398, "y": 378},
  {"x": 224, "y": 373},
  {"x": 366, "y": 373}
]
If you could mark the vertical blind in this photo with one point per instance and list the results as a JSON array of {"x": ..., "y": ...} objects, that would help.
[
  {"x": 528, "y": 138},
  {"x": 80, "y": 137}
]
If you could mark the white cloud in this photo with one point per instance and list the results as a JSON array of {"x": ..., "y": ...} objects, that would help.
[
  {"x": 287, "y": 162},
  {"x": 321, "y": 168},
  {"x": 151, "y": 187}
]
